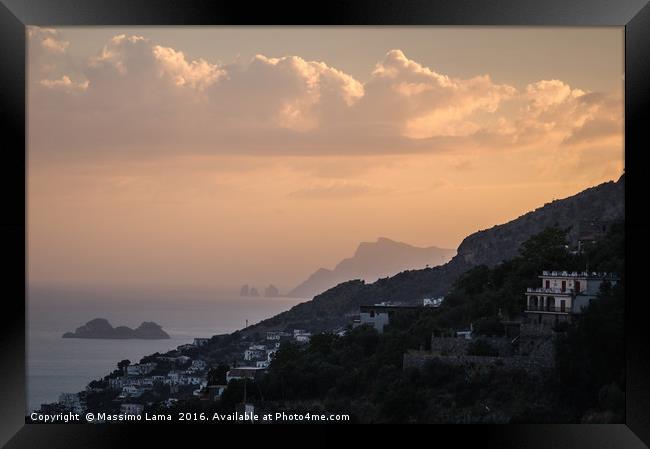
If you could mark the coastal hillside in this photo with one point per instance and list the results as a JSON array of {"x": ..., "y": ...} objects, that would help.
[
  {"x": 372, "y": 261},
  {"x": 583, "y": 213},
  {"x": 580, "y": 214}
]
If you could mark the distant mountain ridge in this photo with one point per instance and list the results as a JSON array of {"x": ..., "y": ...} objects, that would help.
[
  {"x": 332, "y": 308},
  {"x": 372, "y": 261}
]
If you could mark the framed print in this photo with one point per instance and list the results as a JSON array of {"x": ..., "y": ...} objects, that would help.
[{"x": 233, "y": 220}]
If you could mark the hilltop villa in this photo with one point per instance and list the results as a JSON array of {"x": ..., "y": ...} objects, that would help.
[{"x": 563, "y": 294}]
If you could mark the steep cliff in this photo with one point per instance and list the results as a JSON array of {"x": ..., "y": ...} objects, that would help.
[{"x": 602, "y": 203}]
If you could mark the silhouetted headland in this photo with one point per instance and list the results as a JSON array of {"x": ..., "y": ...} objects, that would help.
[{"x": 101, "y": 328}]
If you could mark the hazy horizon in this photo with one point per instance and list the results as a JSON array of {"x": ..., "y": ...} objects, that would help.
[{"x": 211, "y": 157}]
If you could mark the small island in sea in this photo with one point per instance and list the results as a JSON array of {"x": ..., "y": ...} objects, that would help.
[{"x": 101, "y": 328}]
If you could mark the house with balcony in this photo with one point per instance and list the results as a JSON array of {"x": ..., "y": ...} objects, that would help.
[{"x": 563, "y": 295}]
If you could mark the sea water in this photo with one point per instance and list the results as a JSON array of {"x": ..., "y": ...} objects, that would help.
[{"x": 56, "y": 365}]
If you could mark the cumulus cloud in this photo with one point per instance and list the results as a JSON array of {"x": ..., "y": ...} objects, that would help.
[
  {"x": 198, "y": 74},
  {"x": 64, "y": 83},
  {"x": 555, "y": 112},
  {"x": 54, "y": 45},
  {"x": 47, "y": 39},
  {"x": 136, "y": 95},
  {"x": 47, "y": 54},
  {"x": 429, "y": 104}
]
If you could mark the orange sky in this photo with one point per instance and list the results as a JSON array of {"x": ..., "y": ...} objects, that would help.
[{"x": 150, "y": 163}]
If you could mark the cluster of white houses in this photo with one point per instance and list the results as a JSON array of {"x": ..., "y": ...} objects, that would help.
[
  {"x": 261, "y": 353},
  {"x": 138, "y": 378},
  {"x": 186, "y": 372},
  {"x": 138, "y": 381}
]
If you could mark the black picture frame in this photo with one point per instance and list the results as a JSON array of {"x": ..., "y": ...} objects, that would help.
[{"x": 15, "y": 15}]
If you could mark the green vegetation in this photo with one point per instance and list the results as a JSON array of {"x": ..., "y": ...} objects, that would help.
[
  {"x": 591, "y": 359},
  {"x": 361, "y": 373},
  {"x": 217, "y": 376},
  {"x": 479, "y": 346},
  {"x": 482, "y": 293}
]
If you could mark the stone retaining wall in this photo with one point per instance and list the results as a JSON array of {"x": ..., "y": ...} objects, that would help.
[
  {"x": 449, "y": 346},
  {"x": 534, "y": 366}
]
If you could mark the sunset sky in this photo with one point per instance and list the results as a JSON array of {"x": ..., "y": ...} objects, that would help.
[{"x": 216, "y": 156}]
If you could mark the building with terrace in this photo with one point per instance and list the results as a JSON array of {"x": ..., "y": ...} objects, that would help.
[
  {"x": 378, "y": 315},
  {"x": 564, "y": 294}
]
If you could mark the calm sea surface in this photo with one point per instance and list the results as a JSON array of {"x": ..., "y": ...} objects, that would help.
[{"x": 56, "y": 365}]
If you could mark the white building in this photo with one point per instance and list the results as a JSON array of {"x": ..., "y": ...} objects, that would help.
[
  {"x": 116, "y": 383},
  {"x": 378, "y": 315},
  {"x": 173, "y": 377},
  {"x": 564, "y": 294},
  {"x": 303, "y": 337},
  {"x": 198, "y": 365},
  {"x": 191, "y": 380},
  {"x": 138, "y": 381},
  {"x": 433, "y": 302},
  {"x": 131, "y": 409},
  {"x": 198, "y": 342},
  {"x": 131, "y": 391},
  {"x": 253, "y": 354},
  {"x": 277, "y": 336},
  {"x": 273, "y": 335},
  {"x": 140, "y": 369},
  {"x": 244, "y": 372}
]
